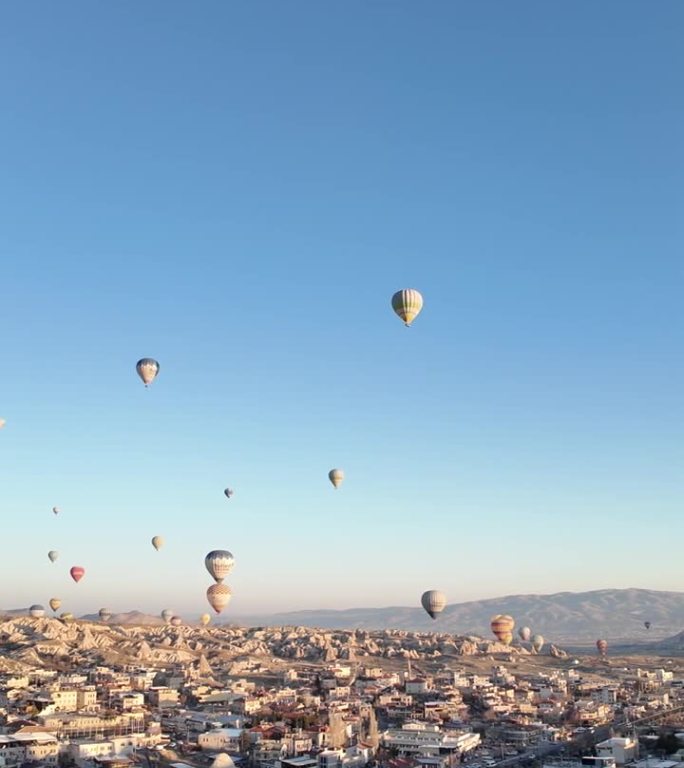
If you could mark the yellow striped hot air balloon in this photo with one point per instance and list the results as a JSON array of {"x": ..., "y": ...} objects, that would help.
[
  {"x": 407, "y": 303},
  {"x": 502, "y": 626}
]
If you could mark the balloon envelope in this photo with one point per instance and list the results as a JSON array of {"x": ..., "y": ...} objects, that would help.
[
  {"x": 434, "y": 602},
  {"x": 66, "y": 616},
  {"x": 647, "y": 624},
  {"x": 407, "y": 303},
  {"x": 525, "y": 633},
  {"x": 55, "y": 602},
  {"x": 602, "y": 646},
  {"x": 77, "y": 573},
  {"x": 537, "y": 642},
  {"x": 502, "y": 626},
  {"x": 176, "y": 621},
  {"x": 218, "y": 596},
  {"x": 228, "y": 492},
  {"x": 167, "y": 614},
  {"x": 53, "y": 554},
  {"x": 56, "y": 510},
  {"x": 336, "y": 476},
  {"x": 157, "y": 542},
  {"x": 147, "y": 369},
  {"x": 2, "y": 423},
  {"x": 37, "y": 611},
  {"x": 105, "y": 614},
  {"x": 219, "y": 563},
  {"x": 205, "y": 618}
]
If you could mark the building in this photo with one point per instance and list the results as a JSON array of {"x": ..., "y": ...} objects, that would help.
[
  {"x": 624, "y": 750},
  {"x": 423, "y": 739},
  {"x": 221, "y": 740}
]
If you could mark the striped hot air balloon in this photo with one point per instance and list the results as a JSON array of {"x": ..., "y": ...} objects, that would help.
[
  {"x": 147, "y": 369},
  {"x": 219, "y": 563},
  {"x": 219, "y": 596},
  {"x": 502, "y": 626},
  {"x": 434, "y": 602},
  {"x": 407, "y": 303},
  {"x": 37, "y": 611},
  {"x": 336, "y": 477}
]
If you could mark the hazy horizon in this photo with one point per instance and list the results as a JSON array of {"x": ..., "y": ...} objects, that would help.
[{"x": 237, "y": 192}]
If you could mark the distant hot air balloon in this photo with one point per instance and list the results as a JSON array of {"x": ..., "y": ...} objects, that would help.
[
  {"x": 176, "y": 621},
  {"x": 77, "y": 573},
  {"x": 147, "y": 369},
  {"x": 2, "y": 423},
  {"x": 37, "y": 611},
  {"x": 167, "y": 614},
  {"x": 647, "y": 624},
  {"x": 407, "y": 304},
  {"x": 66, "y": 616},
  {"x": 205, "y": 618},
  {"x": 434, "y": 602},
  {"x": 56, "y": 510},
  {"x": 228, "y": 492},
  {"x": 336, "y": 476},
  {"x": 502, "y": 626},
  {"x": 525, "y": 633},
  {"x": 602, "y": 646},
  {"x": 218, "y": 596},
  {"x": 219, "y": 563},
  {"x": 157, "y": 542},
  {"x": 53, "y": 554},
  {"x": 537, "y": 642},
  {"x": 55, "y": 602},
  {"x": 105, "y": 614}
]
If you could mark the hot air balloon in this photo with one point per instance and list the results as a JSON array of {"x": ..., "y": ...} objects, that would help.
[
  {"x": 157, "y": 542},
  {"x": 167, "y": 614},
  {"x": 647, "y": 624},
  {"x": 602, "y": 647},
  {"x": 56, "y": 510},
  {"x": 219, "y": 563},
  {"x": 434, "y": 602},
  {"x": 336, "y": 476},
  {"x": 55, "y": 602},
  {"x": 147, "y": 369},
  {"x": 407, "y": 304},
  {"x": 502, "y": 626},
  {"x": 105, "y": 614},
  {"x": 176, "y": 621},
  {"x": 228, "y": 492},
  {"x": 66, "y": 616},
  {"x": 37, "y": 611},
  {"x": 218, "y": 596},
  {"x": 77, "y": 573},
  {"x": 525, "y": 633},
  {"x": 53, "y": 554},
  {"x": 537, "y": 642},
  {"x": 2, "y": 423},
  {"x": 205, "y": 618}
]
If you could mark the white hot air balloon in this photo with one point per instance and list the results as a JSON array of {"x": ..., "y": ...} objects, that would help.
[
  {"x": 218, "y": 596},
  {"x": 219, "y": 563},
  {"x": 2, "y": 423},
  {"x": 37, "y": 611},
  {"x": 56, "y": 510},
  {"x": 336, "y": 476},
  {"x": 157, "y": 542},
  {"x": 167, "y": 615},
  {"x": 525, "y": 633},
  {"x": 147, "y": 369},
  {"x": 434, "y": 602},
  {"x": 53, "y": 554},
  {"x": 407, "y": 303}
]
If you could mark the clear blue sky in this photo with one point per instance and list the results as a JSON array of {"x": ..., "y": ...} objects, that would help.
[{"x": 237, "y": 189}]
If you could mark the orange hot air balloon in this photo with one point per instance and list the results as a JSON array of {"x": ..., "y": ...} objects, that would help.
[
  {"x": 602, "y": 647},
  {"x": 77, "y": 573},
  {"x": 502, "y": 626},
  {"x": 219, "y": 596}
]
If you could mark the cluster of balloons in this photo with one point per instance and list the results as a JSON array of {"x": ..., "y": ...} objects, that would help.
[
  {"x": 525, "y": 634},
  {"x": 407, "y": 304},
  {"x": 219, "y": 563}
]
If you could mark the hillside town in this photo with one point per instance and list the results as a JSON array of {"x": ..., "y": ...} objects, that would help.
[{"x": 85, "y": 694}]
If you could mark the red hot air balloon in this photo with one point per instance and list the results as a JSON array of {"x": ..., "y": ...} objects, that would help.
[{"x": 77, "y": 573}]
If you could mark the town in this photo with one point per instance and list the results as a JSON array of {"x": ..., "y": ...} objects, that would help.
[{"x": 89, "y": 694}]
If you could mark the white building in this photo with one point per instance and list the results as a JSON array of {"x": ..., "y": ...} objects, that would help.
[
  {"x": 28, "y": 747},
  {"x": 423, "y": 739},
  {"x": 220, "y": 740},
  {"x": 624, "y": 750}
]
